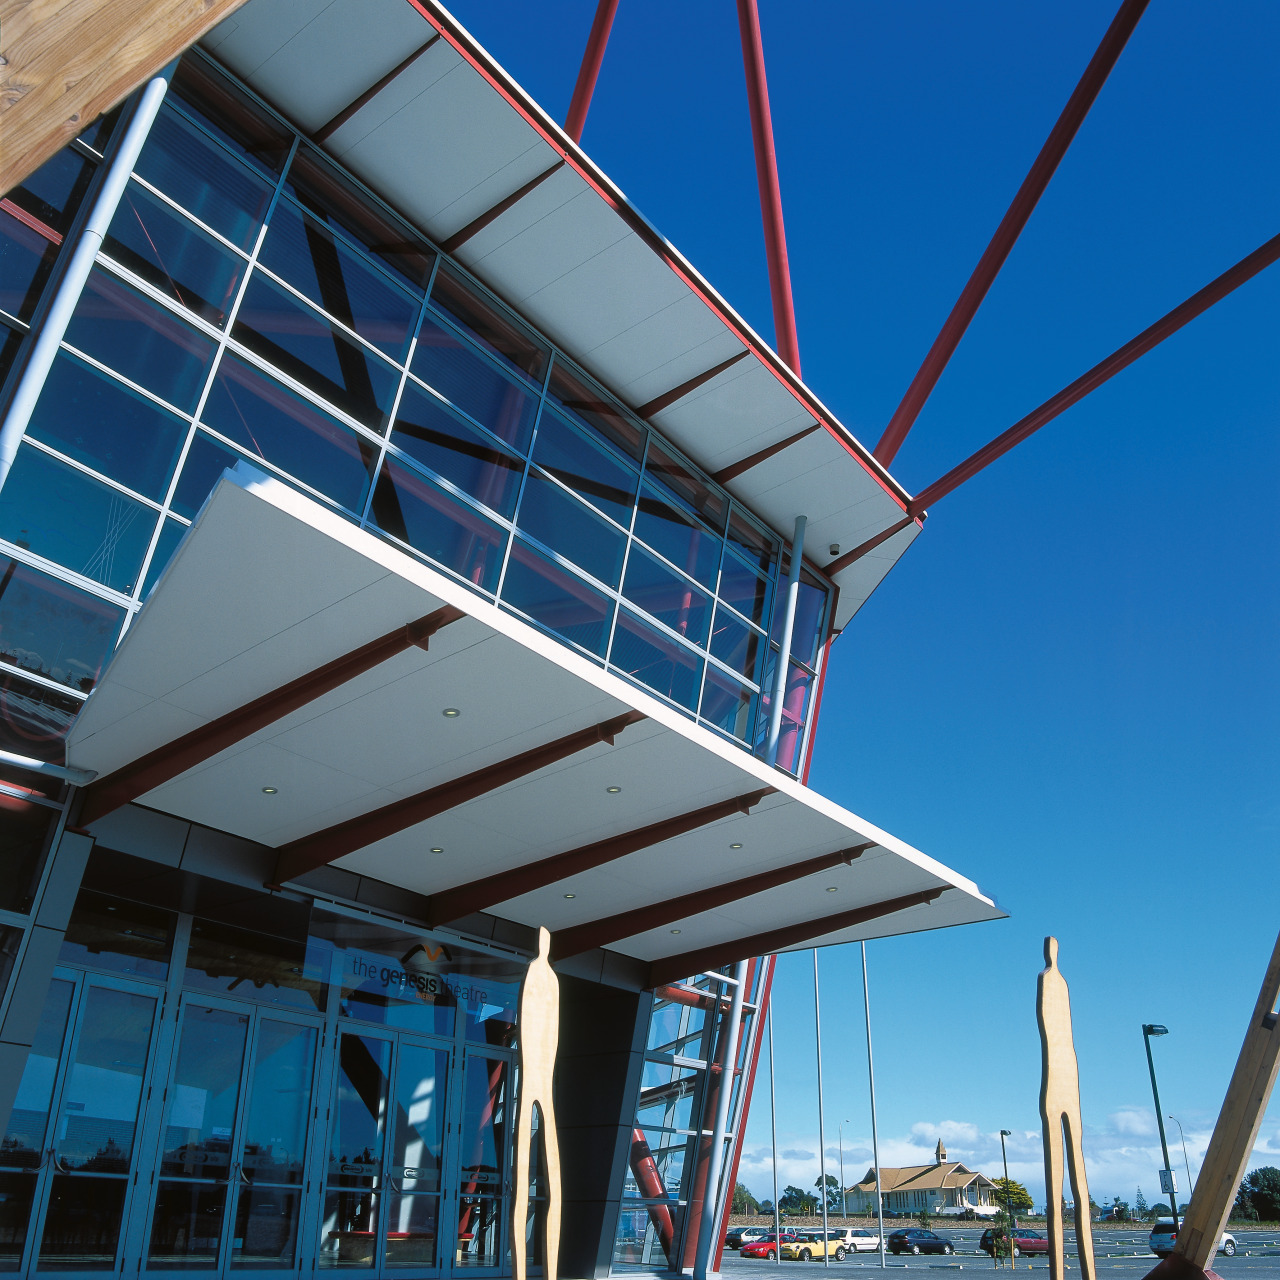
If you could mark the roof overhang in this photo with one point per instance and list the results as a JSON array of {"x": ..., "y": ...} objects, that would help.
[
  {"x": 269, "y": 585},
  {"x": 450, "y": 138}
]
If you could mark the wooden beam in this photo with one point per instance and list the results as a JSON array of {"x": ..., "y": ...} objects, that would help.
[
  {"x": 167, "y": 762},
  {"x": 322, "y": 847},
  {"x": 66, "y": 62},
  {"x": 705, "y": 959},
  {"x": 453, "y": 904},
  {"x": 626, "y": 924}
]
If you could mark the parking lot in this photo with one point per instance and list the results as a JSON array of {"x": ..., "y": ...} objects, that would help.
[{"x": 1126, "y": 1252}]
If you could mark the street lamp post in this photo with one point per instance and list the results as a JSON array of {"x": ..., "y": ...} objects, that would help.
[
  {"x": 1185, "y": 1161},
  {"x": 844, "y": 1199},
  {"x": 1150, "y": 1029},
  {"x": 1008, "y": 1207}
]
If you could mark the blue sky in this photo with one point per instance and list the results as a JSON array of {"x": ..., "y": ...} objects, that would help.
[{"x": 1067, "y": 689}]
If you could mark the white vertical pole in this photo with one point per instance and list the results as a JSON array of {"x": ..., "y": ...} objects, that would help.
[
  {"x": 773, "y": 1125},
  {"x": 71, "y": 286},
  {"x": 784, "y": 642},
  {"x": 871, "y": 1076},
  {"x": 822, "y": 1136}
]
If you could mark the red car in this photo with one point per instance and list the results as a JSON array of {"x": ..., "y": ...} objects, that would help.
[
  {"x": 1024, "y": 1241},
  {"x": 765, "y": 1247}
]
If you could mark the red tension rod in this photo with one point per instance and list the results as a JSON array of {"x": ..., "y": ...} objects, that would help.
[
  {"x": 1214, "y": 291},
  {"x": 1006, "y": 236},
  {"x": 589, "y": 72},
  {"x": 775, "y": 236}
]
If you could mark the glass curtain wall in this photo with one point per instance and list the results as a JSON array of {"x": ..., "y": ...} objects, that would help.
[{"x": 253, "y": 301}]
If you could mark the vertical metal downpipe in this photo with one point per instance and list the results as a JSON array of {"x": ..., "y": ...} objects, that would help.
[
  {"x": 68, "y": 290},
  {"x": 784, "y": 642},
  {"x": 871, "y": 1075},
  {"x": 822, "y": 1135},
  {"x": 711, "y": 1197}
]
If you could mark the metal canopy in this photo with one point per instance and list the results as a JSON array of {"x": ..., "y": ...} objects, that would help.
[
  {"x": 454, "y": 144},
  {"x": 269, "y": 585}
]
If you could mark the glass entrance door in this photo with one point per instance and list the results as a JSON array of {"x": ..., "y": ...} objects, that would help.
[
  {"x": 230, "y": 1172},
  {"x": 67, "y": 1159},
  {"x": 482, "y": 1181}
]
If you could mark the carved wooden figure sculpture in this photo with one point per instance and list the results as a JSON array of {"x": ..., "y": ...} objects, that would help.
[
  {"x": 538, "y": 1031},
  {"x": 1060, "y": 1114}
]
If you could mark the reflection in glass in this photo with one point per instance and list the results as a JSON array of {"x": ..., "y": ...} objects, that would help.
[
  {"x": 592, "y": 471},
  {"x": 736, "y": 644},
  {"x": 100, "y": 1099},
  {"x": 96, "y": 420},
  {"x": 82, "y": 1224},
  {"x": 412, "y": 1228},
  {"x": 348, "y": 1231},
  {"x": 233, "y": 117},
  {"x": 186, "y": 1225},
  {"x": 479, "y": 1231},
  {"x": 559, "y": 521},
  {"x": 52, "y": 194},
  {"x": 275, "y": 1135},
  {"x": 745, "y": 589},
  {"x": 23, "y": 1142},
  {"x": 677, "y": 535},
  {"x": 26, "y": 259},
  {"x": 359, "y": 1113},
  {"x": 595, "y": 411},
  {"x": 10, "y": 341},
  {"x": 53, "y": 629},
  {"x": 26, "y": 828},
  {"x": 484, "y": 1125},
  {"x": 16, "y": 1191},
  {"x": 115, "y": 934},
  {"x": 254, "y": 966},
  {"x": 494, "y": 329},
  {"x": 206, "y": 460},
  {"x": 266, "y": 1229},
  {"x": 656, "y": 660},
  {"x": 667, "y": 596},
  {"x": 75, "y": 520},
  {"x": 557, "y": 599},
  {"x": 170, "y": 535},
  {"x": 728, "y": 705},
  {"x": 34, "y": 720},
  {"x": 420, "y": 1102},
  {"x": 203, "y": 1094}
]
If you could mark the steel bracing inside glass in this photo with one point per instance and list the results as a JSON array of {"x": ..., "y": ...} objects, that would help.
[{"x": 253, "y": 300}]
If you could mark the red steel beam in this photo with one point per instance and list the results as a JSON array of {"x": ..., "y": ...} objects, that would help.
[
  {"x": 1169, "y": 324},
  {"x": 626, "y": 924},
  {"x": 476, "y": 225},
  {"x": 331, "y": 126},
  {"x": 322, "y": 847},
  {"x": 735, "y": 469},
  {"x": 668, "y": 398},
  {"x": 1011, "y": 225},
  {"x": 589, "y": 72},
  {"x": 843, "y": 562},
  {"x": 176, "y": 757},
  {"x": 453, "y": 904},
  {"x": 775, "y": 236},
  {"x": 673, "y": 968}
]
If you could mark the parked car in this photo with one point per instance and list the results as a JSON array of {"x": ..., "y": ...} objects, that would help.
[
  {"x": 1024, "y": 1241},
  {"x": 858, "y": 1240},
  {"x": 811, "y": 1245},
  {"x": 913, "y": 1240},
  {"x": 1163, "y": 1236},
  {"x": 766, "y": 1246},
  {"x": 736, "y": 1237}
]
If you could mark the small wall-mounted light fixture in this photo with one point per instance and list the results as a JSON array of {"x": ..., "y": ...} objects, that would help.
[
  {"x": 270, "y": 791},
  {"x": 613, "y": 791},
  {"x": 451, "y": 713}
]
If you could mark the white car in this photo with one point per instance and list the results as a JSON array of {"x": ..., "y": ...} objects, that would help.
[
  {"x": 1163, "y": 1236},
  {"x": 856, "y": 1240}
]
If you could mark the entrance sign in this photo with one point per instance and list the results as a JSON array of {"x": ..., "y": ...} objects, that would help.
[
  {"x": 538, "y": 1028},
  {"x": 1060, "y": 1114}
]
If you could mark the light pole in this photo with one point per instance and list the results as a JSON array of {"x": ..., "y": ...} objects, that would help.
[
  {"x": 844, "y": 1199},
  {"x": 1150, "y": 1029},
  {"x": 1185, "y": 1161},
  {"x": 1006, "y": 1133}
]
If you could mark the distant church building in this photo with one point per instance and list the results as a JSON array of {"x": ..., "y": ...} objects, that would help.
[{"x": 946, "y": 1188}]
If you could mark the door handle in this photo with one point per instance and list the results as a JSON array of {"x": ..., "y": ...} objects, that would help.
[{"x": 59, "y": 1167}]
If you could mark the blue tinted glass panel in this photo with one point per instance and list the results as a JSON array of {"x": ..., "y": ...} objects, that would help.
[
  {"x": 806, "y": 635},
  {"x": 258, "y": 413},
  {"x": 204, "y": 178},
  {"x": 231, "y": 115},
  {"x": 170, "y": 252},
  {"x": 677, "y": 536},
  {"x": 10, "y": 341},
  {"x": 754, "y": 546},
  {"x": 140, "y": 340},
  {"x": 446, "y": 361},
  {"x": 206, "y": 460},
  {"x": 667, "y": 596},
  {"x": 497, "y": 332},
  {"x": 440, "y": 439},
  {"x": 656, "y": 660},
  {"x": 409, "y": 507},
  {"x": 306, "y": 346},
  {"x": 560, "y": 521},
  {"x": 75, "y": 520},
  {"x": 170, "y": 536},
  {"x": 557, "y": 599},
  {"x": 91, "y": 417},
  {"x": 588, "y": 468},
  {"x": 681, "y": 484},
  {"x": 736, "y": 644},
  {"x": 335, "y": 276},
  {"x": 337, "y": 201},
  {"x": 54, "y": 192},
  {"x": 34, "y": 719},
  {"x": 599, "y": 415},
  {"x": 728, "y": 705},
  {"x": 53, "y": 629},
  {"x": 25, "y": 262},
  {"x": 745, "y": 589},
  {"x": 98, "y": 134},
  {"x": 794, "y": 711}
]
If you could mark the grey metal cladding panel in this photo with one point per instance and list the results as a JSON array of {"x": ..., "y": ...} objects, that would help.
[
  {"x": 226, "y": 857},
  {"x": 60, "y": 889},
  {"x": 158, "y": 837},
  {"x": 31, "y": 985}
]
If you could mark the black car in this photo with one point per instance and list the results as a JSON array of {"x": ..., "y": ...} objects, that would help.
[{"x": 914, "y": 1240}]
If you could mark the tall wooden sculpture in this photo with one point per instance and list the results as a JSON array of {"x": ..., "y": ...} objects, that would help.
[
  {"x": 1233, "y": 1137},
  {"x": 1060, "y": 1114},
  {"x": 538, "y": 1032}
]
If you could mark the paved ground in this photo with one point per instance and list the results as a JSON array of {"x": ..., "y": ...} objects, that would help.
[{"x": 1258, "y": 1259}]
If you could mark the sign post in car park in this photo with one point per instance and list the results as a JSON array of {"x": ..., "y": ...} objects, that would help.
[{"x": 1169, "y": 1182}]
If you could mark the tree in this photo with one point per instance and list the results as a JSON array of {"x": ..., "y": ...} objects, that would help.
[
  {"x": 1002, "y": 1235},
  {"x": 1262, "y": 1186},
  {"x": 1119, "y": 1209},
  {"x": 833, "y": 1192},
  {"x": 1140, "y": 1204},
  {"x": 743, "y": 1201},
  {"x": 795, "y": 1200},
  {"x": 766, "y": 1208},
  {"x": 1013, "y": 1194},
  {"x": 924, "y": 1218}
]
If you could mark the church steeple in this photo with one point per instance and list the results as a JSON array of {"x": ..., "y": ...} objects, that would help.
[{"x": 940, "y": 1153}]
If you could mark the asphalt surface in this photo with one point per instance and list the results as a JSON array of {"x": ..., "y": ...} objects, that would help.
[{"x": 1258, "y": 1258}]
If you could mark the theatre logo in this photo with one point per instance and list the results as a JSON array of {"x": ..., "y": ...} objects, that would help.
[{"x": 418, "y": 975}]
